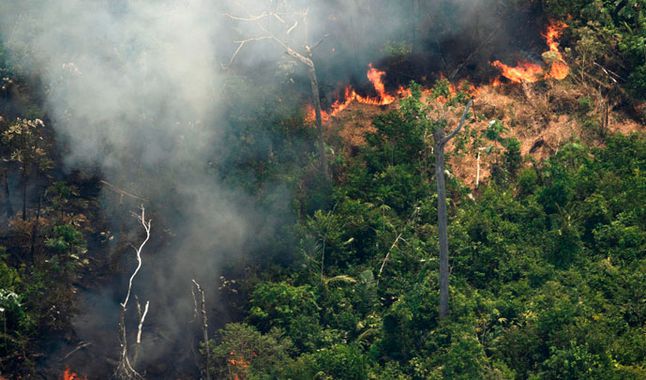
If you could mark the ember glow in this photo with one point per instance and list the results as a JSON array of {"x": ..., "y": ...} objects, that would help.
[
  {"x": 530, "y": 72},
  {"x": 70, "y": 375},
  {"x": 383, "y": 98}
]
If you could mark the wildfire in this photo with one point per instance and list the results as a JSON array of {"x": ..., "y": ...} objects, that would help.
[
  {"x": 70, "y": 375},
  {"x": 375, "y": 76},
  {"x": 559, "y": 69},
  {"x": 523, "y": 72},
  {"x": 530, "y": 72}
]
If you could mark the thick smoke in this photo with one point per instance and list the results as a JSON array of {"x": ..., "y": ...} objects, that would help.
[{"x": 135, "y": 89}]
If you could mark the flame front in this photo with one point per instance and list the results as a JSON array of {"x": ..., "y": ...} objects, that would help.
[
  {"x": 559, "y": 69},
  {"x": 383, "y": 98},
  {"x": 529, "y": 72},
  {"x": 376, "y": 78},
  {"x": 553, "y": 33},
  {"x": 523, "y": 72}
]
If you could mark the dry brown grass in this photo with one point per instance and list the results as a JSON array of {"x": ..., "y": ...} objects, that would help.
[{"x": 541, "y": 116}]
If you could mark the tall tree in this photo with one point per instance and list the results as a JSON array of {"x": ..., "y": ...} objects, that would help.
[{"x": 440, "y": 140}]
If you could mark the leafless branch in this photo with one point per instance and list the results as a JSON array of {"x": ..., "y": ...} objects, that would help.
[
  {"x": 81, "y": 346},
  {"x": 142, "y": 317},
  {"x": 395, "y": 242},
  {"x": 463, "y": 119},
  {"x": 383, "y": 264},
  {"x": 146, "y": 225},
  {"x": 248, "y": 19},
  {"x": 125, "y": 369},
  {"x": 611, "y": 74},
  {"x": 319, "y": 42},
  {"x": 121, "y": 191},
  {"x": 292, "y": 27},
  {"x": 242, "y": 43}
]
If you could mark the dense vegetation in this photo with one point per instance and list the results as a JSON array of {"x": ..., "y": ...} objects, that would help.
[
  {"x": 548, "y": 271},
  {"x": 608, "y": 34}
]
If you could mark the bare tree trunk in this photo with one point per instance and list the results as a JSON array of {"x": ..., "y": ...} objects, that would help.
[
  {"x": 605, "y": 118},
  {"x": 7, "y": 195},
  {"x": 478, "y": 170},
  {"x": 205, "y": 325},
  {"x": 34, "y": 231},
  {"x": 316, "y": 98},
  {"x": 125, "y": 369},
  {"x": 24, "y": 197},
  {"x": 442, "y": 220},
  {"x": 442, "y": 224}
]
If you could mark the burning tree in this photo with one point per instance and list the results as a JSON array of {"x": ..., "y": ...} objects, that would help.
[
  {"x": 278, "y": 24},
  {"x": 530, "y": 72}
]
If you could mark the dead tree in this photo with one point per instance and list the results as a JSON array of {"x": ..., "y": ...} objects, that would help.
[
  {"x": 287, "y": 22},
  {"x": 200, "y": 310},
  {"x": 125, "y": 367},
  {"x": 440, "y": 140}
]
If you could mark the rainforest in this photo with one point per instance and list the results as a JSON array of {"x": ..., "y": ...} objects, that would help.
[{"x": 323, "y": 189}]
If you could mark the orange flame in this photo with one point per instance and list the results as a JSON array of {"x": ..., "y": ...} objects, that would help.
[
  {"x": 404, "y": 92},
  {"x": 559, "y": 69},
  {"x": 375, "y": 76},
  {"x": 237, "y": 361},
  {"x": 70, "y": 375},
  {"x": 522, "y": 72},
  {"x": 529, "y": 72},
  {"x": 553, "y": 33}
]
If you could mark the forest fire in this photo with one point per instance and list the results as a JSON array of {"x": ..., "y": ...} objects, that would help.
[
  {"x": 559, "y": 69},
  {"x": 529, "y": 72},
  {"x": 68, "y": 374},
  {"x": 375, "y": 76},
  {"x": 554, "y": 67}
]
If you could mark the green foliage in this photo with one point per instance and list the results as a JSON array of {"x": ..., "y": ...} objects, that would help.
[
  {"x": 66, "y": 240},
  {"x": 547, "y": 270},
  {"x": 610, "y": 33},
  {"x": 494, "y": 130},
  {"x": 340, "y": 361},
  {"x": 243, "y": 352},
  {"x": 16, "y": 323},
  {"x": 290, "y": 308},
  {"x": 398, "y": 50}
]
